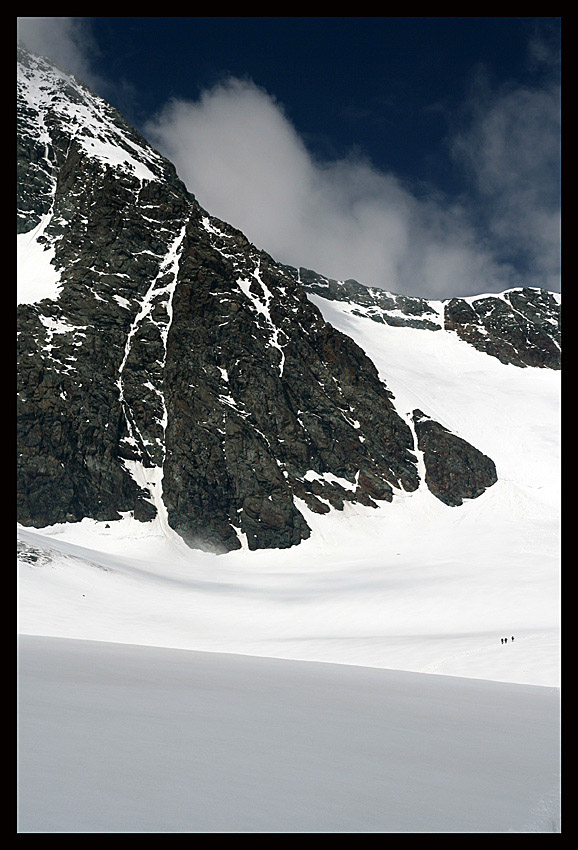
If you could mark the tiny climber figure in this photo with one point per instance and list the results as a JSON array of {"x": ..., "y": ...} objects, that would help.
[
  {"x": 502, "y": 639},
  {"x": 505, "y": 640},
  {"x": 512, "y": 637}
]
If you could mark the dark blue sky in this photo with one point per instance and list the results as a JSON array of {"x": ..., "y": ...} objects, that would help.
[
  {"x": 392, "y": 88},
  {"x": 418, "y": 154}
]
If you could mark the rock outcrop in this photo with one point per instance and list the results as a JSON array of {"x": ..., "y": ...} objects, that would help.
[
  {"x": 455, "y": 470},
  {"x": 521, "y": 328}
]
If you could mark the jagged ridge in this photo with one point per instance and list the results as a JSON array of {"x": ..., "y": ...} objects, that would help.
[{"x": 520, "y": 326}]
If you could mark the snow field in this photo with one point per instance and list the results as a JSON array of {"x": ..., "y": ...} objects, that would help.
[
  {"x": 356, "y": 683},
  {"x": 117, "y": 738}
]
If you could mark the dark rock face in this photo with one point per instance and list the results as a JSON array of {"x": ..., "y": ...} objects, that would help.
[
  {"x": 103, "y": 228},
  {"x": 176, "y": 352},
  {"x": 455, "y": 470},
  {"x": 521, "y": 328},
  {"x": 263, "y": 399}
]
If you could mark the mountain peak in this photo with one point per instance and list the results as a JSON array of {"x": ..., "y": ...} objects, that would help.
[{"x": 170, "y": 369}]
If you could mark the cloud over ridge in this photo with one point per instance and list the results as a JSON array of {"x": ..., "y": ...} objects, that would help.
[{"x": 236, "y": 149}]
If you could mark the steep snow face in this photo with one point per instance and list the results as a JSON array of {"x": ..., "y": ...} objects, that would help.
[
  {"x": 519, "y": 326},
  {"x": 511, "y": 414},
  {"x": 37, "y": 276}
]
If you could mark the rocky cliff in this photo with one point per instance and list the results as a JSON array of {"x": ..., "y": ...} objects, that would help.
[{"x": 168, "y": 365}]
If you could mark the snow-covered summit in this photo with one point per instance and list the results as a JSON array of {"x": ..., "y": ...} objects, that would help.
[{"x": 55, "y": 110}]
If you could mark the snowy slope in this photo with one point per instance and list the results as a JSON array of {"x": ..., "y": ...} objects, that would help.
[
  {"x": 414, "y": 585},
  {"x": 512, "y": 414},
  {"x": 120, "y": 738},
  {"x": 119, "y": 730}
]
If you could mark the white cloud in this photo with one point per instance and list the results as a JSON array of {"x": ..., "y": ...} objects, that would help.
[
  {"x": 511, "y": 150},
  {"x": 238, "y": 152},
  {"x": 67, "y": 41}
]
